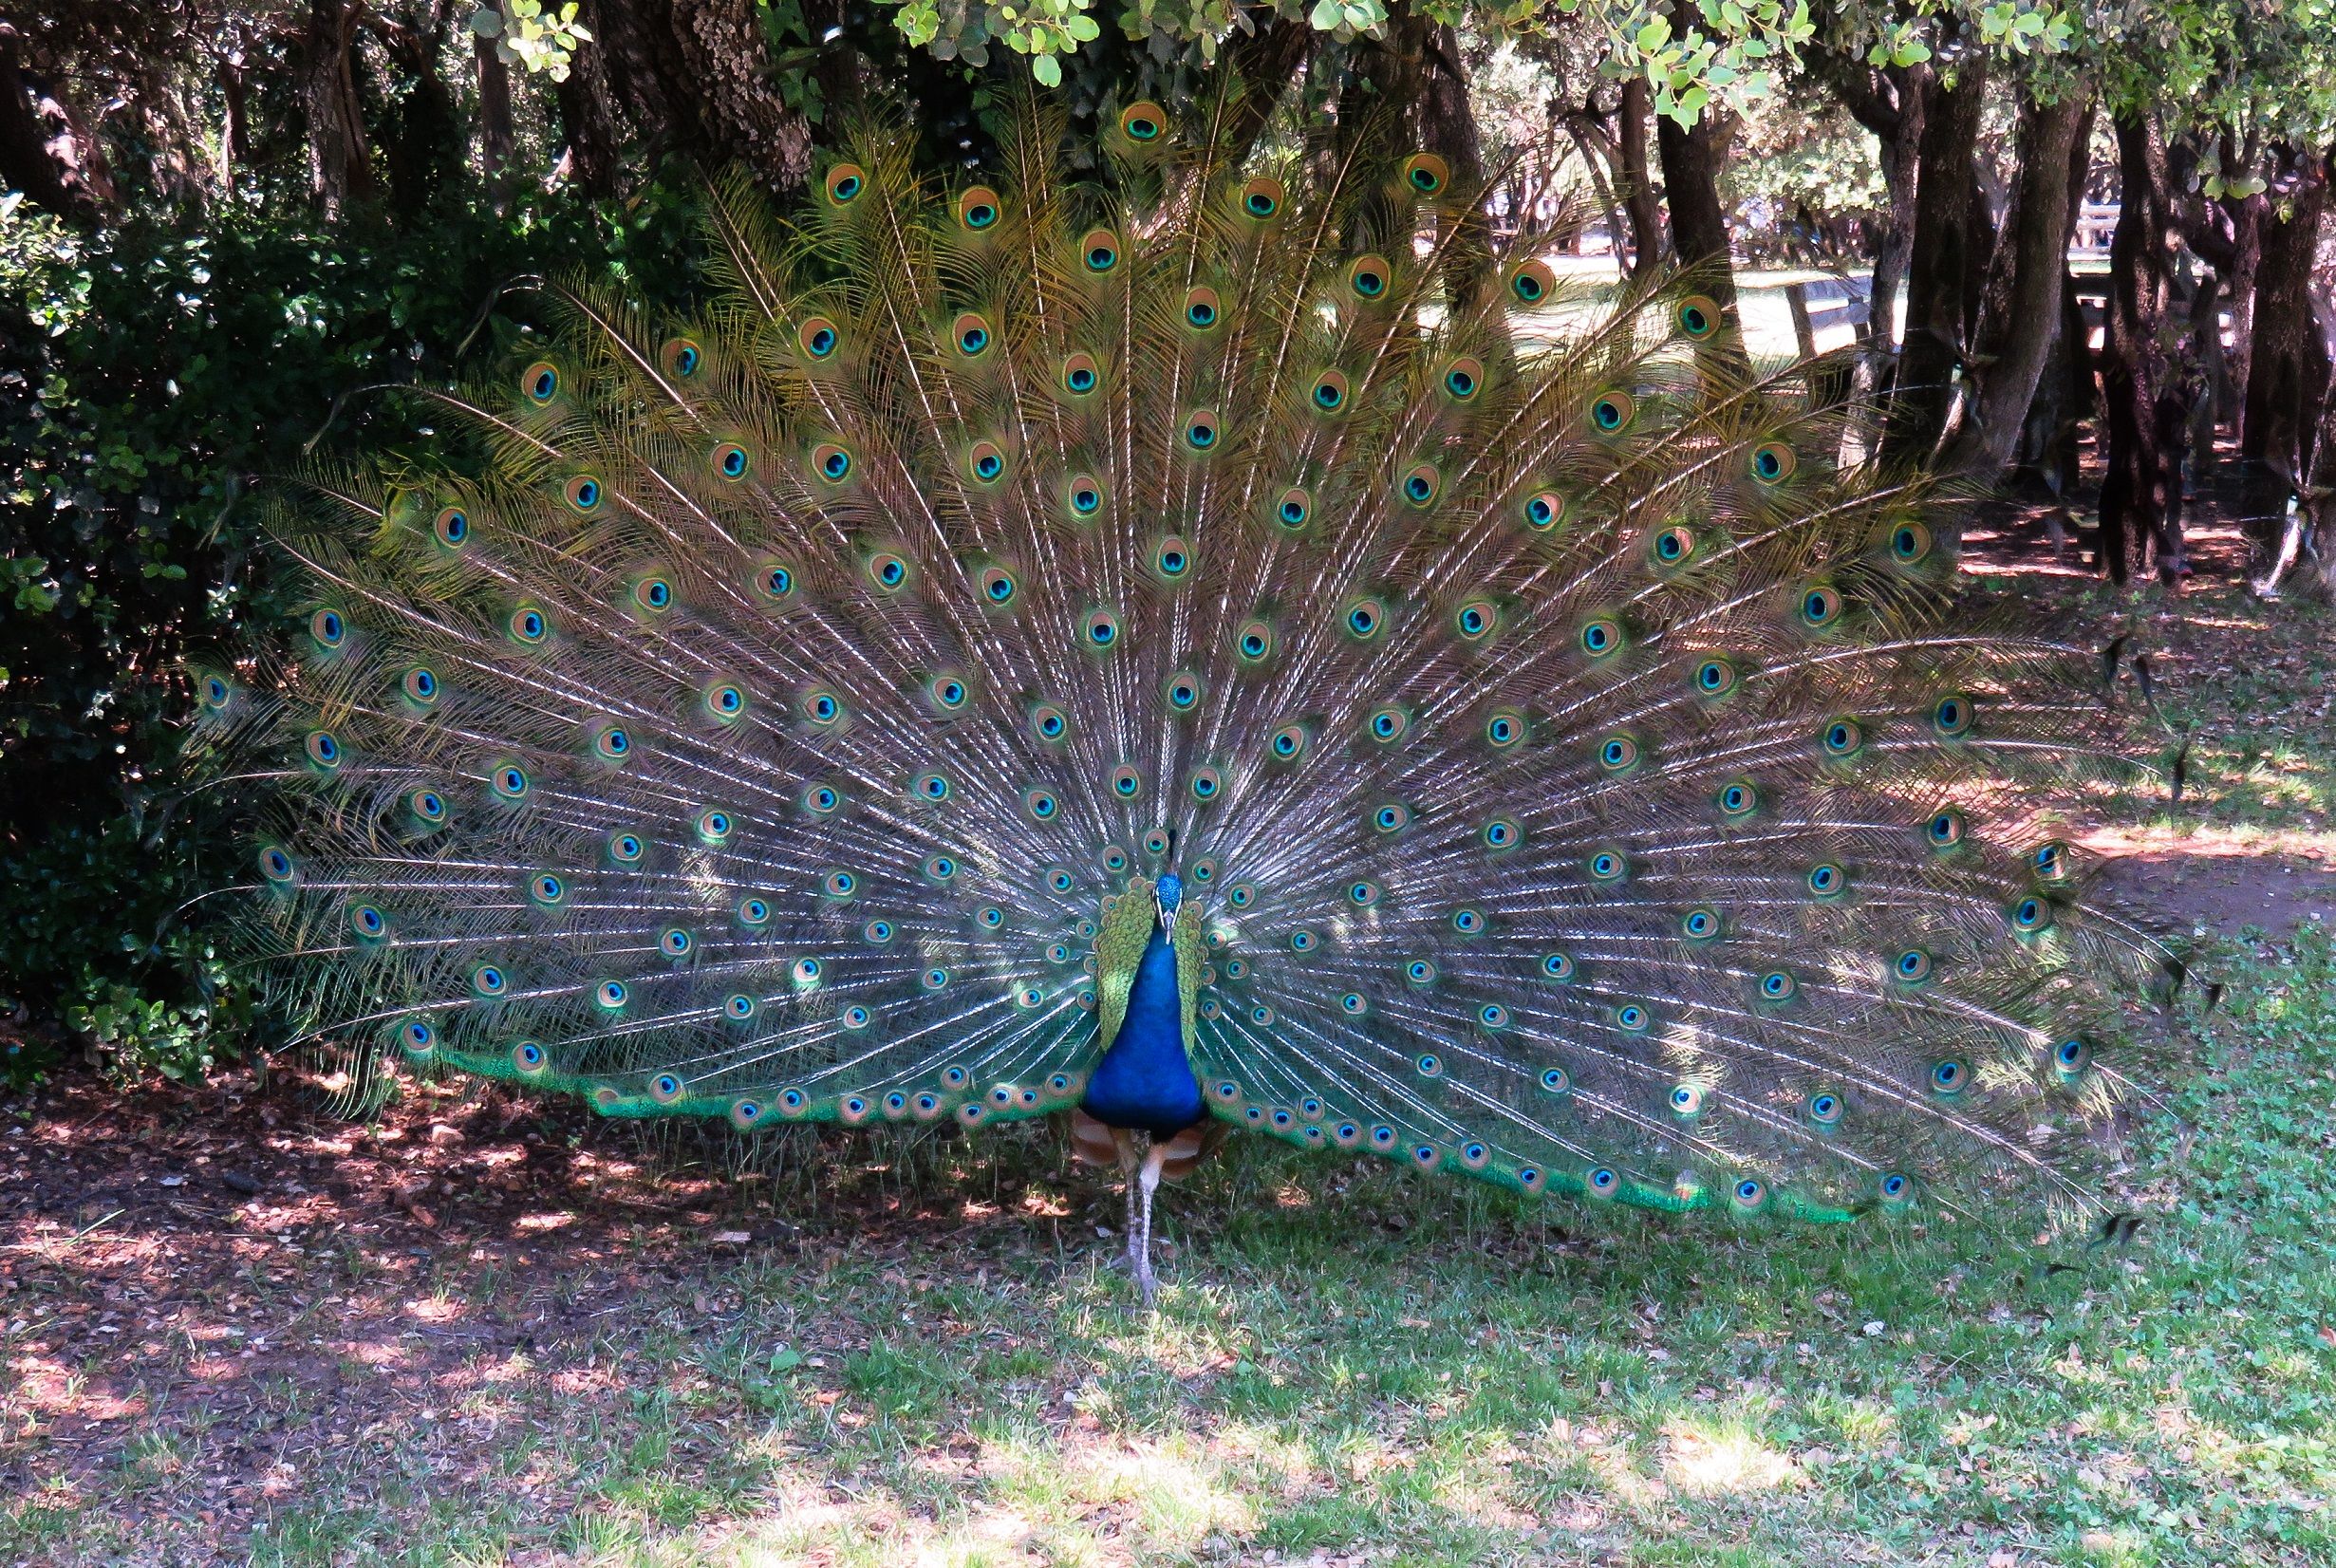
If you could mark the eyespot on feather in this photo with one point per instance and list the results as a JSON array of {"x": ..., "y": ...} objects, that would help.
[
  {"x": 818, "y": 337},
  {"x": 979, "y": 208},
  {"x": 681, "y": 358},
  {"x": 1143, "y": 122},
  {"x": 1368, "y": 277},
  {"x": 844, "y": 184},
  {"x": 1426, "y": 175},
  {"x": 1698, "y": 317},
  {"x": 971, "y": 333},
  {"x": 1532, "y": 282},
  {"x": 1261, "y": 197},
  {"x": 1773, "y": 462}
]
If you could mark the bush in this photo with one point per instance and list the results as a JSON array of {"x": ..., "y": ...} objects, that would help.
[{"x": 147, "y": 374}]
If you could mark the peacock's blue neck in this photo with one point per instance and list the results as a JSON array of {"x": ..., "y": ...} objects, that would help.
[{"x": 1144, "y": 1082}]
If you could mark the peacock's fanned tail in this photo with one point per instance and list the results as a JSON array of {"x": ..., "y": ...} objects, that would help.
[{"x": 1577, "y": 782}]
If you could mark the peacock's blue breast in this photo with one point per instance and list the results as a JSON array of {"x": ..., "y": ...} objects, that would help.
[{"x": 1143, "y": 1083}]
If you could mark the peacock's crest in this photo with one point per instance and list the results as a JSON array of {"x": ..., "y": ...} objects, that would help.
[{"x": 1569, "y": 779}]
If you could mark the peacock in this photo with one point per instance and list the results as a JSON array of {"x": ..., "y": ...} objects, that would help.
[{"x": 1193, "y": 646}]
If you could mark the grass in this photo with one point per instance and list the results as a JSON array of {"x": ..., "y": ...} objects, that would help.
[{"x": 938, "y": 1366}]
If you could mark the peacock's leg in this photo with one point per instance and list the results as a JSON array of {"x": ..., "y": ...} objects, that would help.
[
  {"x": 1132, "y": 1162},
  {"x": 1146, "y": 1182}
]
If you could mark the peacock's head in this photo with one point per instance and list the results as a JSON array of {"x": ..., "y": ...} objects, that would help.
[{"x": 1171, "y": 892}]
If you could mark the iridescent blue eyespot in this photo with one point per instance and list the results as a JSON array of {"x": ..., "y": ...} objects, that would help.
[{"x": 2030, "y": 915}]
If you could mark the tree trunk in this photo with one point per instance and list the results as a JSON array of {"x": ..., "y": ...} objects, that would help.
[
  {"x": 1893, "y": 105},
  {"x": 695, "y": 77},
  {"x": 2286, "y": 374},
  {"x": 497, "y": 135},
  {"x": 1936, "y": 275},
  {"x": 1581, "y": 126},
  {"x": 340, "y": 158},
  {"x": 1901, "y": 167},
  {"x": 24, "y": 161},
  {"x": 1691, "y": 157},
  {"x": 1447, "y": 129},
  {"x": 2022, "y": 297},
  {"x": 2315, "y": 565},
  {"x": 234, "y": 125},
  {"x": 2136, "y": 523},
  {"x": 2246, "y": 215},
  {"x": 589, "y": 145},
  {"x": 1266, "y": 62},
  {"x": 423, "y": 148},
  {"x": 1633, "y": 182}
]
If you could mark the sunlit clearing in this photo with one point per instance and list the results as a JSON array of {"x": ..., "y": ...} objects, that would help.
[{"x": 1717, "y": 1461}]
